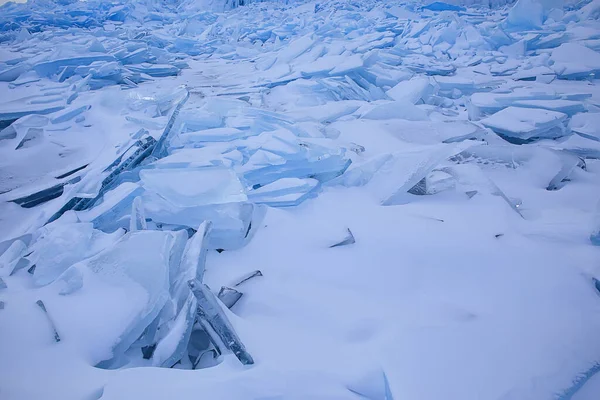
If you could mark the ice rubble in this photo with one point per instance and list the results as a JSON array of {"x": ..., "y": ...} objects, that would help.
[{"x": 278, "y": 105}]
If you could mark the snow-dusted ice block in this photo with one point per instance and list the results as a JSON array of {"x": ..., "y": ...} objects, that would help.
[
  {"x": 189, "y": 187},
  {"x": 575, "y": 61},
  {"x": 404, "y": 170},
  {"x": 61, "y": 246},
  {"x": 213, "y": 135},
  {"x": 13, "y": 111},
  {"x": 414, "y": 90},
  {"x": 321, "y": 168},
  {"x": 11, "y": 256},
  {"x": 155, "y": 70},
  {"x": 586, "y": 125},
  {"x": 285, "y": 192},
  {"x": 124, "y": 289},
  {"x": 49, "y": 68},
  {"x": 523, "y": 124}
]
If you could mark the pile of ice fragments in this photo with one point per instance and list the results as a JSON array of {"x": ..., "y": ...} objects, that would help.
[{"x": 138, "y": 136}]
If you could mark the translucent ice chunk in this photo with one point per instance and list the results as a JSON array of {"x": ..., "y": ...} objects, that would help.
[
  {"x": 435, "y": 182},
  {"x": 209, "y": 310},
  {"x": 523, "y": 124},
  {"x": 49, "y": 68},
  {"x": 73, "y": 281},
  {"x": 63, "y": 245},
  {"x": 586, "y": 125},
  {"x": 396, "y": 177},
  {"x": 284, "y": 192},
  {"x": 135, "y": 271},
  {"x": 194, "y": 186},
  {"x": 11, "y": 256},
  {"x": 569, "y": 163},
  {"x": 138, "y": 219},
  {"x": 67, "y": 115},
  {"x": 214, "y": 135}
]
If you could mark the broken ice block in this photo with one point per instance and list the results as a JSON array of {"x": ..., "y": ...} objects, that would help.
[
  {"x": 349, "y": 239},
  {"x": 284, "y": 192},
  {"x": 62, "y": 246},
  {"x": 137, "y": 220},
  {"x": 404, "y": 170},
  {"x": 434, "y": 182},
  {"x": 11, "y": 256},
  {"x": 586, "y": 125},
  {"x": 575, "y": 61},
  {"x": 413, "y": 91},
  {"x": 49, "y": 68},
  {"x": 229, "y": 296},
  {"x": 2, "y": 284},
  {"x": 210, "y": 311},
  {"x": 73, "y": 281},
  {"x": 188, "y": 187},
  {"x": 135, "y": 270},
  {"x": 569, "y": 163},
  {"x": 521, "y": 125}
]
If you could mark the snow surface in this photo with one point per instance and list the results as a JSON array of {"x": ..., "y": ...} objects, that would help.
[{"x": 418, "y": 184}]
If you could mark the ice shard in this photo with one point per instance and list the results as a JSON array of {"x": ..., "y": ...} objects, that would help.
[
  {"x": 247, "y": 277},
  {"x": 138, "y": 219},
  {"x": 11, "y": 256},
  {"x": 210, "y": 311},
  {"x": 348, "y": 240},
  {"x": 42, "y": 306},
  {"x": 229, "y": 296}
]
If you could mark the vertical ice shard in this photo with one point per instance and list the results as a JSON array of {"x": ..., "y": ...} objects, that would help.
[
  {"x": 160, "y": 150},
  {"x": 210, "y": 311},
  {"x": 138, "y": 219},
  {"x": 171, "y": 348},
  {"x": 41, "y": 304},
  {"x": 569, "y": 163},
  {"x": 246, "y": 278},
  {"x": 348, "y": 240},
  {"x": 229, "y": 296},
  {"x": 10, "y": 258}
]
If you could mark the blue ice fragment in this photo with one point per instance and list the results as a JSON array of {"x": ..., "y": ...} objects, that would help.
[
  {"x": 49, "y": 68},
  {"x": 18, "y": 112},
  {"x": 285, "y": 192},
  {"x": 211, "y": 313},
  {"x": 69, "y": 114},
  {"x": 137, "y": 220},
  {"x": 441, "y": 6},
  {"x": 155, "y": 70},
  {"x": 2, "y": 284},
  {"x": 323, "y": 170},
  {"x": 160, "y": 150},
  {"x": 42, "y": 306},
  {"x": 11, "y": 73}
]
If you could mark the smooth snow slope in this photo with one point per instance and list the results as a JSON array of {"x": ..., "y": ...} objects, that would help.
[{"x": 453, "y": 151}]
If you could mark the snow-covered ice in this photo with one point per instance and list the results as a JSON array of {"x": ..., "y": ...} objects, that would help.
[{"x": 300, "y": 199}]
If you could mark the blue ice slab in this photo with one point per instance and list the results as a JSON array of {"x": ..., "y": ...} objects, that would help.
[
  {"x": 14, "y": 112},
  {"x": 49, "y": 68},
  {"x": 441, "y": 6},
  {"x": 285, "y": 192},
  {"x": 324, "y": 169},
  {"x": 520, "y": 125},
  {"x": 155, "y": 70},
  {"x": 68, "y": 115}
]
